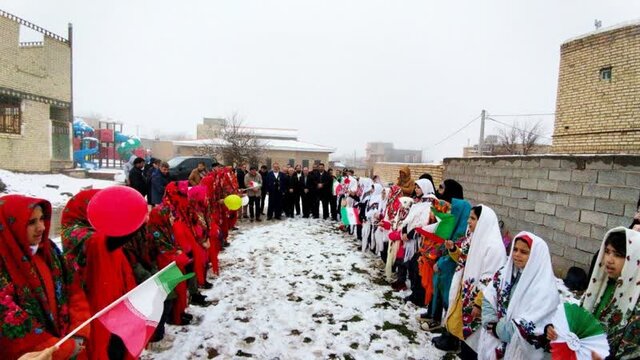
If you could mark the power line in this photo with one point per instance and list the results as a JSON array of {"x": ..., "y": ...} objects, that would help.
[
  {"x": 512, "y": 126},
  {"x": 457, "y": 131},
  {"x": 524, "y": 115}
]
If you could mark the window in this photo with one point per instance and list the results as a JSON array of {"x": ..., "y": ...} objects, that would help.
[
  {"x": 292, "y": 162},
  {"x": 10, "y": 115},
  {"x": 316, "y": 162},
  {"x": 58, "y": 113},
  {"x": 305, "y": 163},
  {"x": 605, "y": 73},
  {"x": 268, "y": 163}
]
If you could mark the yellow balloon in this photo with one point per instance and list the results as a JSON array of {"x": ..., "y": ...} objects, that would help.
[{"x": 233, "y": 202}]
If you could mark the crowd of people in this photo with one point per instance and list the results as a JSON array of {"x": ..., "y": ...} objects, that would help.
[
  {"x": 491, "y": 296},
  {"x": 46, "y": 292}
]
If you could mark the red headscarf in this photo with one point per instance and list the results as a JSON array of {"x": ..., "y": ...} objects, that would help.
[
  {"x": 38, "y": 302},
  {"x": 75, "y": 231}
]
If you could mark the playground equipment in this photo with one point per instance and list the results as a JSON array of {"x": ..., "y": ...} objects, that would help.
[
  {"x": 105, "y": 146},
  {"x": 90, "y": 146}
]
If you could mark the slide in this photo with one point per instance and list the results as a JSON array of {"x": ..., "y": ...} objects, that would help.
[{"x": 80, "y": 156}]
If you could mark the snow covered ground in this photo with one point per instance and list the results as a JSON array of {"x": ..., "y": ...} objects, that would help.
[
  {"x": 61, "y": 187},
  {"x": 300, "y": 289}
]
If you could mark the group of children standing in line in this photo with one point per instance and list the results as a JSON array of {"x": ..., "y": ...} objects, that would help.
[{"x": 489, "y": 302}]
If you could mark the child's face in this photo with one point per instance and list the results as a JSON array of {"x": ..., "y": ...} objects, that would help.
[{"x": 613, "y": 262}]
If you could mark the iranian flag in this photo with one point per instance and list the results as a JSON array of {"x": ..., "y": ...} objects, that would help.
[
  {"x": 135, "y": 316},
  {"x": 337, "y": 188},
  {"x": 350, "y": 216},
  {"x": 254, "y": 184}
]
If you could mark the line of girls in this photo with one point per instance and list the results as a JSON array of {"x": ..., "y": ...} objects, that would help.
[
  {"x": 490, "y": 296},
  {"x": 46, "y": 292}
]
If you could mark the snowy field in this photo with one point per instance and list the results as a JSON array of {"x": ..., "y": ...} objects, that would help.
[
  {"x": 56, "y": 188},
  {"x": 300, "y": 289}
]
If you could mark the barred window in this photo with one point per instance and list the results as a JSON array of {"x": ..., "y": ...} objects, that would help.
[
  {"x": 10, "y": 115},
  {"x": 605, "y": 73}
]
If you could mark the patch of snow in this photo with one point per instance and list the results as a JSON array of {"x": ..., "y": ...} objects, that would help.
[
  {"x": 61, "y": 187},
  {"x": 300, "y": 289}
]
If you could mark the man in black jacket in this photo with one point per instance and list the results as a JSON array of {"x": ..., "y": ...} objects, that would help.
[
  {"x": 241, "y": 171},
  {"x": 323, "y": 192},
  {"x": 263, "y": 172},
  {"x": 291, "y": 194},
  {"x": 137, "y": 179},
  {"x": 307, "y": 188},
  {"x": 276, "y": 186}
]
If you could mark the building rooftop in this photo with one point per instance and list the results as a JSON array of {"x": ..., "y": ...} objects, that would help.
[
  {"x": 621, "y": 25},
  {"x": 270, "y": 144}
]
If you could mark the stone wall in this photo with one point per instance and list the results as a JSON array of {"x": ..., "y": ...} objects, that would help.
[
  {"x": 595, "y": 115},
  {"x": 570, "y": 201},
  {"x": 388, "y": 172}
]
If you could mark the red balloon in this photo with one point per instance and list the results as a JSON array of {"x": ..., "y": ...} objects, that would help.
[{"x": 117, "y": 211}]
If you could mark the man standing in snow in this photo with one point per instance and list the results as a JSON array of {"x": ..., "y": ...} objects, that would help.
[
  {"x": 297, "y": 194},
  {"x": 276, "y": 185},
  {"x": 159, "y": 181},
  {"x": 263, "y": 173},
  {"x": 306, "y": 189},
  {"x": 136, "y": 177},
  {"x": 253, "y": 184},
  {"x": 323, "y": 192},
  {"x": 241, "y": 172}
]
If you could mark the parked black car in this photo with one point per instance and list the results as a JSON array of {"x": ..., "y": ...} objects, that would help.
[{"x": 180, "y": 166}]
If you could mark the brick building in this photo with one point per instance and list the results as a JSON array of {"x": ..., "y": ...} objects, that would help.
[
  {"x": 598, "y": 103},
  {"x": 35, "y": 98}
]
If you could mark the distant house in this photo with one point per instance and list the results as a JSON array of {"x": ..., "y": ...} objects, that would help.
[
  {"x": 385, "y": 152},
  {"x": 282, "y": 145},
  {"x": 598, "y": 103},
  {"x": 35, "y": 98}
]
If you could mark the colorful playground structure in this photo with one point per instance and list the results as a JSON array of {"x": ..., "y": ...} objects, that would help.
[{"x": 105, "y": 146}]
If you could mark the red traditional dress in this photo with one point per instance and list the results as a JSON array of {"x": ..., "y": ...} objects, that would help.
[
  {"x": 39, "y": 301},
  {"x": 75, "y": 231},
  {"x": 104, "y": 271}
]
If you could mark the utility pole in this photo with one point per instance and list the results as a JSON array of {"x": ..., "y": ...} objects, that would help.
[{"x": 483, "y": 116}]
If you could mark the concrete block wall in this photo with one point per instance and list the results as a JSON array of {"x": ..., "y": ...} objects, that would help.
[
  {"x": 388, "y": 172},
  {"x": 570, "y": 201}
]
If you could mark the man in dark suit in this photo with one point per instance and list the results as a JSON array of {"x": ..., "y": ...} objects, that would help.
[
  {"x": 323, "y": 192},
  {"x": 263, "y": 172},
  {"x": 276, "y": 186},
  {"x": 296, "y": 200},
  {"x": 291, "y": 193},
  {"x": 307, "y": 187}
]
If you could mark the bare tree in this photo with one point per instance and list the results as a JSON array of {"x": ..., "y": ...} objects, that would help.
[
  {"x": 519, "y": 138},
  {"x": 234, "y": 143},
  {"x": 508, "y": 140},
  {"x": 529, "y": 137}
]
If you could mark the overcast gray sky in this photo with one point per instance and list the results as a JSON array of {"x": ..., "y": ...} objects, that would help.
[{"x": 342, "y": 72}]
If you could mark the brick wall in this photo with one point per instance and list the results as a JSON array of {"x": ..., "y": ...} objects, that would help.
[
  {"x": 31, "y": 150},
  {"x": 389, "y": 171},
  {"x": 40, "y": 70},
  {"x": 594, "y": 115},
  {"x": 570, "y": 201}
]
